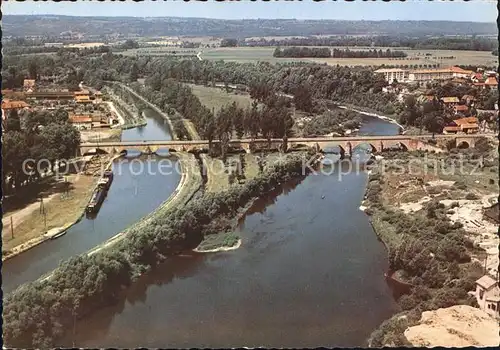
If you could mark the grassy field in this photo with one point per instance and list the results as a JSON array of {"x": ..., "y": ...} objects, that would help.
[
  {"x": 265, "y": 54},
  {"x": 160, "y": 51},
  {"x": 215, "y": 98},
  {"x": 218, "y": 172}
]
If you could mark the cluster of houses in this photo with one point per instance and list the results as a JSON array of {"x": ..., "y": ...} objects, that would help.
[
  {"x": 456, "y": 74},
  {"x": 85, "y": 108},
  {"x": 462, "y": 109}
]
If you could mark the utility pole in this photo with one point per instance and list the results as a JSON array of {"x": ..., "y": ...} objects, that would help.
[
  {"x": 43, "y": 212},
  {"x": 11, "y": 227}
]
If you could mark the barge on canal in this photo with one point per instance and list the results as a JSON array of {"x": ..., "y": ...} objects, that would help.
[{"x": 100, "y": 192}]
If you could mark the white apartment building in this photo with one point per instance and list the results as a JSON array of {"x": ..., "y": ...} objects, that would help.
[{"x": 391, "y": 74}]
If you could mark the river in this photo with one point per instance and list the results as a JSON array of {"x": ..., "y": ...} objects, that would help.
[
  {"x": 308, "y": 274},
  {"x": 130, "y": 197}
]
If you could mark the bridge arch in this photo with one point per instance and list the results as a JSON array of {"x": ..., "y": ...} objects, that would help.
[
  {"x": 331, "y": 148},
  {"x": 370, "y": 146},
  {"x": 462, "y": 144}
]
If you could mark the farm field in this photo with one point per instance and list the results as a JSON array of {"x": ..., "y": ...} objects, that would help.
[
  {"x": 265, "y": 54},
  {"x": 215, "y": 98},
  {"x": 160, "y": 51}
]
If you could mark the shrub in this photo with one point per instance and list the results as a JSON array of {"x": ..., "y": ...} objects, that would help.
[
  {"x": 471, "y": 196},
  {"x": 407, "y": 302}
]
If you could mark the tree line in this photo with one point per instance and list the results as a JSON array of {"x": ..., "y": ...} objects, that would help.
[
  {"x": 439, "y": 43},
  {"x": 37, "y": 135},
  {"x": 324, "y": 52}
]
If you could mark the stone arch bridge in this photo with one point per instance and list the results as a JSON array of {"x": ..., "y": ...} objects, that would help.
[{"x": 345, "y": 144}]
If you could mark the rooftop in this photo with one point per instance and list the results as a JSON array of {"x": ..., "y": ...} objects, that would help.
[
  {"x": 82, "y": 92},
  {"x": 465, "y": 121},
  {"x": 486, "y": 282},
  {"x": 8, "y": 104},
  {"x": 491, "y": 81},
  {"x": 450, "y": 99},
  {"x": 390, "y": 70},
  {"x": 461, "y": 108},
  {"x": 80, "y": 119}
]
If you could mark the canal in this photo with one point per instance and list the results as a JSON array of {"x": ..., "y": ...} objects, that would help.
[
  {"x": 308, "y": 274},
  {"x": 137, "y": 189}
]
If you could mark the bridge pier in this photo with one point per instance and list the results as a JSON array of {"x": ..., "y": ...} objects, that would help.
[{"x": 342, "y": 153}]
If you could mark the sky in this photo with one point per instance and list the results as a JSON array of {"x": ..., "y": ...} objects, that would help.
[{"x": 458, "y": 10}]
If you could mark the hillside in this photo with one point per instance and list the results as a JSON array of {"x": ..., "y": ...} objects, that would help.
[{"x": 54, "y": 25}]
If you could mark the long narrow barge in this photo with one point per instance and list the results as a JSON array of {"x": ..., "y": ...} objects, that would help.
[{"x": 100, "y": 192}]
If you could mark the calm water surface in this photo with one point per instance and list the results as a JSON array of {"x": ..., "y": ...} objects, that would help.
[
  {"x": 309, "y": 273},
  {"x": 132, "y": 195}
]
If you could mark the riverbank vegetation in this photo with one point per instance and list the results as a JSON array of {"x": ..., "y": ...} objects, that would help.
[
  {"x": 436, "y": 256},
  {"x": 337, "y": 122},
  {"x": 221, "y": 241},
  {"x": 37, "y": 314}
]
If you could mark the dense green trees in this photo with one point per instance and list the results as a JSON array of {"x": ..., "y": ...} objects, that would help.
[
  {"x": 229, "y": 43},
  {"x": 320, "y": 52},
  {"x": 39, "y": 135},
  {"x": 332, "y": 121},
  {"x": 335, "y": 53},
  {"x": 436, "y": 43}
]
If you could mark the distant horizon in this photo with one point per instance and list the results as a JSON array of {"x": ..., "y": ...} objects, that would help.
[
  {"x": 251, "y": 19},
  {"x": 476, "y": 11}
]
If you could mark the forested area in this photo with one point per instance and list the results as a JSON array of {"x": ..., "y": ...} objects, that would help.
[
  {"x": 337, "y": 122},
  {"x": 439, "y": 43},
  {"x": 35, "y": 135},
  {"x": 38, "y": 314},
  {"x": 324, "y": 52}
]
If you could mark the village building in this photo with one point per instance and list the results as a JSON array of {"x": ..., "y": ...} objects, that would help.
[
  {"x": 8, "y": 105},
  {"x": 491, "y": 82},
  {"x": 29, "y": 85},
  {"x": 467, "y": 125},
  {"x": 81, "y": 122},
  {"x": 450, "y": 101},
  {"x": 393, "y": 74},
  {"x": 60, "y": 95},
  {"x": 458, "y": 72},
  {"x": 461, "y": 110},
  {"x": 488, "y": 295},
  {"x": 430, "y": 74},
  {"x": 82, "y": 99}
]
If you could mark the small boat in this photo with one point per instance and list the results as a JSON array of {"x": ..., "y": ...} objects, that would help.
[{"x": 59, "y": 234}]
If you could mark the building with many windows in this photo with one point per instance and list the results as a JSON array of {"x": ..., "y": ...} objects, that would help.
[{"x": 393, "y": 74}]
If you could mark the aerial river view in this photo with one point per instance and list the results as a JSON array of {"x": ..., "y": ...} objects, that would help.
[
  {"x": 130, "y": 198},
  {"x": 310, "y": 272}
]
